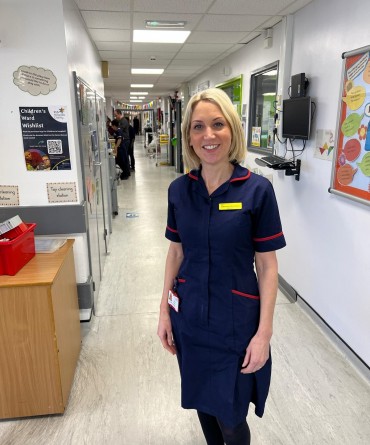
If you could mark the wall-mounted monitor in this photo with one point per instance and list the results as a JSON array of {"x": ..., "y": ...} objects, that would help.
[{"x": 297, "y": 118}]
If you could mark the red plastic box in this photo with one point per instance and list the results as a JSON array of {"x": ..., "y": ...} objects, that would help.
[{"x": 16, "y": 253}]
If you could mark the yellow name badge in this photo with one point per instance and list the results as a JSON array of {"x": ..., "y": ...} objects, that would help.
[{"x": 230, "y": 206}]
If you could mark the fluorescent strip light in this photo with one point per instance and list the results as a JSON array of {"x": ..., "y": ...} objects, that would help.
[
  {"x": 168, "y": 24},
  {"x": 269, "y": 94},
  {"x": 141, "y": 85},
  {"x": 147, "y": 70},
  {"x": 135, "y": 101},
  {"x": 141, "y": 97},
  {"x": 138, "y": 93},
  {"x": 156, "y": 36}
]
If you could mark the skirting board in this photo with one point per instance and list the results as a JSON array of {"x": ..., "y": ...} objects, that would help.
[{"x": 361, "y": 367}]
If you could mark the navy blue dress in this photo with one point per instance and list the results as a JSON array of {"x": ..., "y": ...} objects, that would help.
[{"x": 218, "y": 289}]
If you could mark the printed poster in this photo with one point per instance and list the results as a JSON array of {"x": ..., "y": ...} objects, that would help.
[
  {"x": 256, "y": 136},
  {"x": 45, "y": 138},
  {"x": 351, "y": 166}
]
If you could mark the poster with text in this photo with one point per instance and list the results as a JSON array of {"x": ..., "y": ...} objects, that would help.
[
  {"x": 351, "y": 165},
  {"x": 45, "y": 138}
]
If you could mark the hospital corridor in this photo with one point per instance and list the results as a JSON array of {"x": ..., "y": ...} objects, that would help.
[{"x": 126, "y": 388}]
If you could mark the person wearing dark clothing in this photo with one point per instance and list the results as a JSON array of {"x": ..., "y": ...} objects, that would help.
[
  {"x": 131, "y": 148},
  {"x": 121, "y": 150},
  {"x": 109, "y": 127},
  {"x": 136, "y": 123},
  {"x": 221, "y": 272},
  {"x": 124, "y": 126}
]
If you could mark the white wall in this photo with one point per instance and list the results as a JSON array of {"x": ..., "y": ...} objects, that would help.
[
  {"x": 328, "y": 244},
  {"x": 50, "y": 35},
  {"x": 31, "y": 39}
]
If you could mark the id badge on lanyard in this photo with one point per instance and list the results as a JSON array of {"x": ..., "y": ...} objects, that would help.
[{"x": 173, "y": 300}]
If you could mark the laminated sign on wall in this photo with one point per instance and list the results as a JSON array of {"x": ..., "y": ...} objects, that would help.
[
  {"x": 351, "y": 165},
  {"x": 45, "y": 138}
]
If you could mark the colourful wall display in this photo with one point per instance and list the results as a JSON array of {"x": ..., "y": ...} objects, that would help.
[
  {"x": 233, "y": 88},
  {"x": 351, "y": 165}
]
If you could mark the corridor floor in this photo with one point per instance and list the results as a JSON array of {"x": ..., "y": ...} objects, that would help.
[{"x": 127, "y": 388}]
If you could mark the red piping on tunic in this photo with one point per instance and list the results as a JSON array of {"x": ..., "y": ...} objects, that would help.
[
  {"x": 268, "y": 237},
  {"x": 242, "y": 294},
  {"x": 242, "y": 178},
  {"x": 172, "y": 230},
  {"x": 193, "y": 177}
]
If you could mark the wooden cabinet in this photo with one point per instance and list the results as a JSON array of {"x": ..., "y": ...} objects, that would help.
[{"x": 40, "y": 335}]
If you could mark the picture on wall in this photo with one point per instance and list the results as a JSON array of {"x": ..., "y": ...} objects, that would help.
[{"x": 351, "y": 165}]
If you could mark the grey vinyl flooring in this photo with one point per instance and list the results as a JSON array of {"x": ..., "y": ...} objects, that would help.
[{"x": 127, "y": 388}]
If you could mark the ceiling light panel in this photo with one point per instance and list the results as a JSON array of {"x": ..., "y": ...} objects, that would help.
[
  {"x": 139, "y": 93},
  {"x": 165, "y": 24},
  {"x": 142, "y": 85}
]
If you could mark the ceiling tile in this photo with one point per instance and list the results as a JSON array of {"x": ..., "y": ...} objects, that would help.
[
  {"x": 177, "y": 6},
  {"x": 106, "y": 5},
  {"x": 204, "y": 47},
  {"x": 107, "y": 55},
  {"x": 113, "y": 20},
  {"x": 197, "y": 56},
  {"x": 242, "y": 23},
  {"x": 113, "y": 46},
  {"x": 215, "y": 37},
  {"x": 159, "y": 55},
  {"x": 153, "y": 47},
  {"x": 295, "y": 6},
  {"x": 110, "y": 35},
  {"x": 250, "y": 7}
]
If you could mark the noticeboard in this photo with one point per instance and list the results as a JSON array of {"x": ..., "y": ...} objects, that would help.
[{"x": 351, "y": 163}]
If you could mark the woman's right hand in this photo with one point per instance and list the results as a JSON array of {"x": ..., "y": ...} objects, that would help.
[{"x": 165, "y": 332}]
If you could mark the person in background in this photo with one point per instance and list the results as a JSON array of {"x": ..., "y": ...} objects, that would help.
[
  {"x": 131, "y": 147},
  {"x": 109, "y": 127},
  {"x": 216, "y": 312},
  {"x": 124, "y": 126},
  {"x": 120, "y": 150},
  {"x": 136, "y": 123}
]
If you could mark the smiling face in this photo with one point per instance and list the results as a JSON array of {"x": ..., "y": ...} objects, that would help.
[{"x": 210, "y": 134}]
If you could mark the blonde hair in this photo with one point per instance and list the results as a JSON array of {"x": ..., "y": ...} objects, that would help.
[{"x": 238, "y": 146}]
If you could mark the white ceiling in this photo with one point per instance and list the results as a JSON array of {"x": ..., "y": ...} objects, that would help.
[{"x": 218, "y": 28}]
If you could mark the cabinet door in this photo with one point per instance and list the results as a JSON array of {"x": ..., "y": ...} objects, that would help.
[{"x": 29, "y": 376}]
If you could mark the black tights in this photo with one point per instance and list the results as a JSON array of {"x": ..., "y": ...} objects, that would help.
[{"x": 216, "y": 433}]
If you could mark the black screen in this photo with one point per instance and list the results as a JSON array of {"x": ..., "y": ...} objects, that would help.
[{"x": 297, "y": 118}]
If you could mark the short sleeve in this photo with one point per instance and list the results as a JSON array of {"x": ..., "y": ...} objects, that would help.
[
  {"x": 267, "y": 230},
  {"x": 171, "y": 230}
]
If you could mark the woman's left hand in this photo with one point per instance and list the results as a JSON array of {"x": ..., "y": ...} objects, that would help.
[{"x": 257, "y": 354}]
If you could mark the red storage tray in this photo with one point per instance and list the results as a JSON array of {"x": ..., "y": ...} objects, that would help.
[{"x": 16, "y": 253}]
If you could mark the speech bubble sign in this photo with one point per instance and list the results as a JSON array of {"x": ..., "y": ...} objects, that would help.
[
  {"x": 355, "y": 97},
  {"x": 351, "y": 124},
  {"x": 34, "y": 80},
  {"x": 352, "y": 149},
  {"x": 366, "y": 74},
  {"x": 365, "y": 164},
  {"x": 345, "y": 174}
]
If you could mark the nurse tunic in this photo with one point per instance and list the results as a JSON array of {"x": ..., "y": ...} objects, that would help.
[{"x": 218, "y": 290}]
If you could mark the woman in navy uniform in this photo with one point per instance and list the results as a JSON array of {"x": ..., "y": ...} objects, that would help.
[{"x": 216, "y": 312}]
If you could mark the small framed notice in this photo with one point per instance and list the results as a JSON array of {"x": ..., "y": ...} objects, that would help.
[
  {"x": 9, "y": 195},
  {"x": 62, "y": 192}
]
